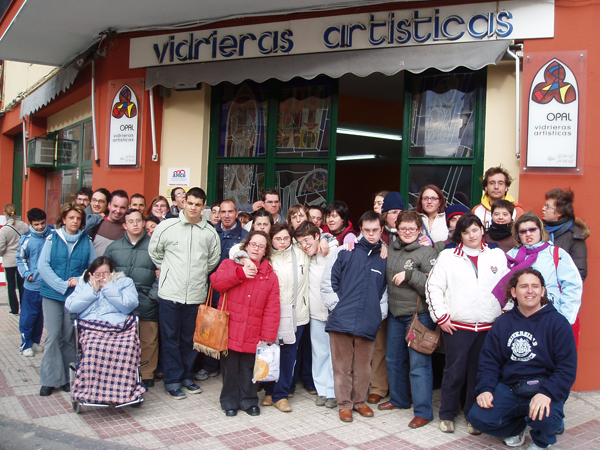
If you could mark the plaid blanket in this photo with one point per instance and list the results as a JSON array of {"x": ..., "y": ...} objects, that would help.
[{"x": 108, "y": 369}]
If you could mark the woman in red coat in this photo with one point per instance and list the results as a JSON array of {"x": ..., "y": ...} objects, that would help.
[{"x": 253, "y": 305}]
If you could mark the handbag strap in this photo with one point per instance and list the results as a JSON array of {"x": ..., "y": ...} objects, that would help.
[
  {"x": 418, "y": 304},
  {"x": 210, "y": 295},
  {"x": 295, "y": 265},
  {"x": 223, "y": 305}
]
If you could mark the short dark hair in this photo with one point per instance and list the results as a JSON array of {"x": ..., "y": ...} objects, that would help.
[
  {"x": 341, "y": 209},
  {"x": 495, "y": 171},
  {"x": 131, "y": 211},
  {"x": 249, "y": 237},
  {"x": 317, "y": 208},
  {"x": 278, "y": 227},
  {"x": 196, "y": 192},
  {"x": 173, "y": 191},
  {"x": 104, "y": 192},
  {"x": 504, "y": 204},
  {"x": 464, "y": 222},
  {"x": 217, "y": 203},
  {"x": 152, "y": 218},
  {"x": 84, "y": 191},
  {"x": 370, "y": 216},
  {"x": 438, "y": 192},
  {"x": 514, "y": 280},
  {"x": 409, "y": 216},
  {"x": 36, "y": 214},
  {"x": 295, "y": 209},
  {"x": 529, "y": 217},
  {"x": 306, "y": 228},
  {"x": 263, "y": 213},
  {"x": 138, "y": 196},
  {"x": 266, "y": 192},
  {"x": 564, "y": 202},
  {"x": 119, "y": 193},
  {"x": 99, "y": 261}
]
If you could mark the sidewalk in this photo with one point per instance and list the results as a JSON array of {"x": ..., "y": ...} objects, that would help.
[{"x": 198, "y": 422}]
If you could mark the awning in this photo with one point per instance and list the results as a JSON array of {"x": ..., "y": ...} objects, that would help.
[
  {"x": 416, "y": 59},
  {"x": 48, "y": 91}
]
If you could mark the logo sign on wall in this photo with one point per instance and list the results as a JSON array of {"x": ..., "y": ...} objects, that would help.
[
  {"x": 178, "y": 176},
  {"x": 555, "y": 110},
  {"x": 124, "y": 126}
]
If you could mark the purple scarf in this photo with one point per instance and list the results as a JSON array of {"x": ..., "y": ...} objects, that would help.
[{"x": 525, "y": 258}]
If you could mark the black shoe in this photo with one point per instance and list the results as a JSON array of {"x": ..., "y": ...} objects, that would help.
[
  {"x": 253, "y": 411},
  {"x": 176, "y": 394},
  {"x": 45, "y": 391},
  {"x": 230, "y": 412},
  {"x": 192, "y": 388},
  {"x": 66, "y": 387},
  {"x": 148, "y": 383}
]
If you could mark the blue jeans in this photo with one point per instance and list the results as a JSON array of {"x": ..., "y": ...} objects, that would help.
[
  {"x": 177, "y": 326},
  {"x": 287, "y": 361},
  {"x": 510, "y": 415},
  {"x": 31, "y": 322},
  {"x": 420, "y": 373}
]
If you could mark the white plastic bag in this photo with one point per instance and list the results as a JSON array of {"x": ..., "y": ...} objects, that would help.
[{"x": 266, "y": 365}]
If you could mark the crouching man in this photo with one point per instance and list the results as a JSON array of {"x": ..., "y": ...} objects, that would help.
[
  {"x": 355, "y": 293},
  {"x": 526, "y": 368}
]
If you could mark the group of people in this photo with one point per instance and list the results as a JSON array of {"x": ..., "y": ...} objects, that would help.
[{"x": 502, "y": 285}]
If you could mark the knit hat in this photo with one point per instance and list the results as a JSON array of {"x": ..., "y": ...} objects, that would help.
[
  {"x": 455, "y": 210},
  {"x": 393, "y": 201}
]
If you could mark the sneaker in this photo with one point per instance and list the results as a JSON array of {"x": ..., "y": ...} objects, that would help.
[
  {"x": 472, "y": 430},
  {"x": 37, "y": 348},
  {"x": 192, "y": 388},
  {"x": 203, "y": 375},
  {"x": 28, "y": 352},
  {"x": 532, "y": 446},
  {"x": 515, "y": 441},
  {"x": 331, "y": 403},
  {"x": 447, "y": 426},
  {"x": 177, "y": 394},
  {"x": 320, "y": 401}
]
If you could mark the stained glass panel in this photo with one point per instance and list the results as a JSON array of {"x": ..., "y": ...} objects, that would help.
[
  {"x": 301, "y": 183},
  {"x": 454, "y": 181},
  {"x": 241, "y": 183}
]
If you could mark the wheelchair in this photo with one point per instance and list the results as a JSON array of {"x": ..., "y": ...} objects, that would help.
[{"x": 77, "y": 404}]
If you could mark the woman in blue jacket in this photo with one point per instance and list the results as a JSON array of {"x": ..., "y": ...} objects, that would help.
[{"x": 64, "y": 258}]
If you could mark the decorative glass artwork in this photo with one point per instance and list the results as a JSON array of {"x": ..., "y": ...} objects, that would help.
[
  {"x": 241, "y": 183},
  {"x": 301, "y": 183},
  {"x": 454, "y": 181}
]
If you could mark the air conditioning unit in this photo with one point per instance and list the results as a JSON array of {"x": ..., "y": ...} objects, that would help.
[{"x": 40, "y": 152}]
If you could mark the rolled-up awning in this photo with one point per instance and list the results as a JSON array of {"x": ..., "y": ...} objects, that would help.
[
  {"x": 48, "y": 91},
  {"x": 416, "y": 59}
]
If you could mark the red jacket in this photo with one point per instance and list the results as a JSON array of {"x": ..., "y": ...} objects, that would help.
[{"x": 253, "y": 305}]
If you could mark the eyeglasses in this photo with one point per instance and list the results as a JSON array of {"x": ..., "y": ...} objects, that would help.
[
  {"x": 282, "y": 239},
  {"x": 547, "y": 206},
  {"x": 306, "y": 242},
  {"x": 134, "y": 222},
  {"x": 181, "y": 194},
  {"x": 430, "y": 199},
  {"x": 407, "y": 230},
  {"x": 255, "y": 245},
  {"x": 101, "y": 275},
  {"x": 528, "y": 230},
  {"x": 95, "y": 200}
]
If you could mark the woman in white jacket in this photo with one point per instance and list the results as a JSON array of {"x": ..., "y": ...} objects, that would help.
[{"x": 459, "y": 294}]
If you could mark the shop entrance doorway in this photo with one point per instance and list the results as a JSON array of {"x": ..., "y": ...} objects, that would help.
[{"x": 369, "y": 139}]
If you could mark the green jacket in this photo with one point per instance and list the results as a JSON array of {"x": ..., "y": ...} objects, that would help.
[
  {"x": 134, "y": 261},
  {"x": 185, "y": 255},
  {"x": 417, "y": 261}
]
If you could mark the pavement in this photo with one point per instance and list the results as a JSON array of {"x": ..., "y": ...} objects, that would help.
[{"x": 28, "y": 421}]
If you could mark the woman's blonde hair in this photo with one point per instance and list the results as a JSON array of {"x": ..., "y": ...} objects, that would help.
[
  {"x": 11, "y": 210},
  {"x": 65, "y": 209}
]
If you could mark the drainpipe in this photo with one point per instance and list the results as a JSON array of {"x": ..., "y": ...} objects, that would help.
[
  {"x": 153, "y": 126},
  {"x": 94, "y": 129},
  {"x": 517, "y": 56},
  {"x": 25, "y": 174}
]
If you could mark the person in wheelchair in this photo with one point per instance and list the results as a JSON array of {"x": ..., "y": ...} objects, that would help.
[{"x": 109, "y": 344}]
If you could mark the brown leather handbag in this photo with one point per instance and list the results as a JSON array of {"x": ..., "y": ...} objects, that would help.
[
  {"x": 419, "y": 337},
  {"x": 212, "y": 327}
]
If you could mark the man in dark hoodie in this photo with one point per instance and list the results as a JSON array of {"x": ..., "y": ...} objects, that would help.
[{"x": 526, "y": 368}]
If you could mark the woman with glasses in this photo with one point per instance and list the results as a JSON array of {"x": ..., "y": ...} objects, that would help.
[
  {"x": 253, "y": 305},
  {"x": 431, "y": 205},
  {"x": 533, "y": 249},
  {"x": 159, "y": 207},
  {"x": 407, "y": 268},
  {"x": 459, "y": 294}
]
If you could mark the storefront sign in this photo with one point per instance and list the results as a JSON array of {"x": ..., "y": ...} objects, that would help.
[
  {"x": 178, "y": 176},
  {"x": 555, "y": 106},
  {"x": 124, "y": 124},
  {"x": 460, "y": 23}
]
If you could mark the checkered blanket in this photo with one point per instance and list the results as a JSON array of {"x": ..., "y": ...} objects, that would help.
[{"x": 108, "y": 369}]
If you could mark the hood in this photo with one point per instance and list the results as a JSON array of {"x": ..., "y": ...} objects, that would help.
[
  {"x": 584, "y": 228},
  {"x": 485, "y": 201},
  {"x": 399, "y": 245},
  {"x": 546, "y": 309}
]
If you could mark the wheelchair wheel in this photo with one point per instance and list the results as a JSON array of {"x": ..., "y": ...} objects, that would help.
[{"x": 76, "y": 407}]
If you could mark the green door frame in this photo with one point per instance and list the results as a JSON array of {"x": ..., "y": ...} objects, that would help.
[{"x": 17, "y": 181}]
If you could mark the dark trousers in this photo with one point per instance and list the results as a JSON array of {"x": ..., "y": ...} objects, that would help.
[
  {"x": 238, "y": 391},
  {"x": 303, "y": 369},
  {"x": 31, "y": 322},
  {"x": 510, "y": 415},
  {"x": 351, "y": 358},
  {"x": 287, "y": 361},
  {"x": 14, "y": 281},
  {"x": 462, "y": 359},
  {"x": 177, "y": 326}
]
